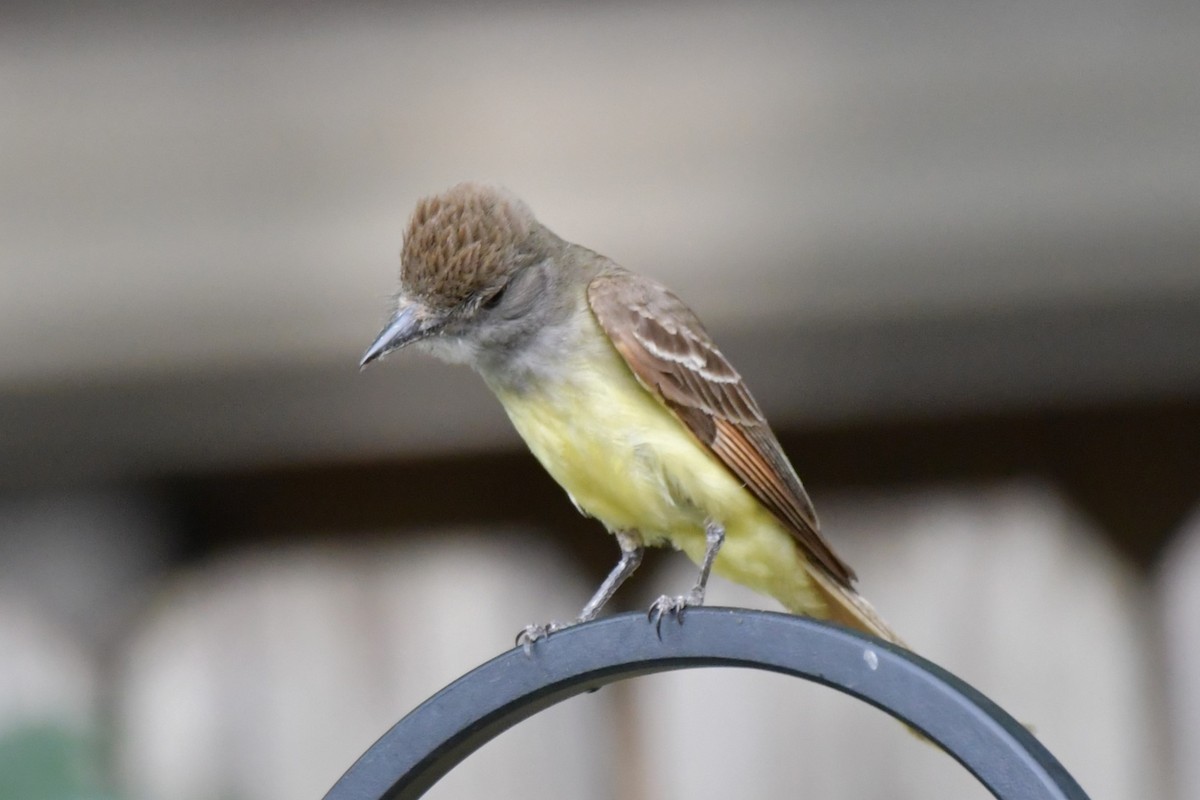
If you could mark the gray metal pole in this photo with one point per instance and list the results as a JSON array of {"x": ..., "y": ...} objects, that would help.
[{"x": 461, "y": 718}]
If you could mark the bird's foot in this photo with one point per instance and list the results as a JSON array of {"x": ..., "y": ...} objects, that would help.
[
  {"x": 531, "y": 634},
  {"x": 673, "y": 606}
]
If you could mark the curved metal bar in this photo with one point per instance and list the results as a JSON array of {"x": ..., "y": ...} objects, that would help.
[{"x": 458, "y": 720}]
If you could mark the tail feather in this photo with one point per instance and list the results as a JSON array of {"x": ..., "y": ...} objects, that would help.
[{"x": 848, "y": 607}]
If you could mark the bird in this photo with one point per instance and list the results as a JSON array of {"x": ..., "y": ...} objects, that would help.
[{"x": 623, "y": 397}]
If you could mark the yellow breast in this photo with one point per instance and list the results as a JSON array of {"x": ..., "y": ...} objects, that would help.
[
  {"x": 626, "y": 460},
  {"x": 621, "y": 454}
]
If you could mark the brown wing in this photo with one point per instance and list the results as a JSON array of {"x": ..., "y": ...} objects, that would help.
[{"x": 672, "y": 355}]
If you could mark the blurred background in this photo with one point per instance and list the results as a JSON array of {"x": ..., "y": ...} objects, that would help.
[{"x": 954, "y": 248}]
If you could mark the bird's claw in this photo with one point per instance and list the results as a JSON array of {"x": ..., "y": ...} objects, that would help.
[
  {"x": 666, "y": 605},
  {"x": 532, "y": 634}
]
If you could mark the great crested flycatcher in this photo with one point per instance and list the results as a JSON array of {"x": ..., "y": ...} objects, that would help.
[{"x": 623, "y": 397}]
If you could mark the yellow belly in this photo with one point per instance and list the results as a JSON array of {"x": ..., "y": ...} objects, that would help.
[{"x": 626, "y": 460}]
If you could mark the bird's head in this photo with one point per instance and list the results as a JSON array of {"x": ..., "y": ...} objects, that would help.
[{"x": 473, "y": 266}]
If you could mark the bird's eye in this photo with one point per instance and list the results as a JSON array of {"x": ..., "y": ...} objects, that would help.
[{"x": 495, "y": 299}]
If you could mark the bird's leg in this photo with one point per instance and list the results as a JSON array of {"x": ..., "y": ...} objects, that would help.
[
  {"x": 631, "y": 557},
  {"x": 714, "y": 537}
]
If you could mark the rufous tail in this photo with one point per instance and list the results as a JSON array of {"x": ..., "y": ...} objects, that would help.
[{"x": 846, "y": 606}]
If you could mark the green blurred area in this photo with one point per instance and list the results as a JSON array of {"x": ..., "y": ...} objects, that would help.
[{"x": 44, "y": 761}]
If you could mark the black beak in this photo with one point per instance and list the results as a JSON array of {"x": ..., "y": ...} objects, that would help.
[{"x": 410, "y": 324}]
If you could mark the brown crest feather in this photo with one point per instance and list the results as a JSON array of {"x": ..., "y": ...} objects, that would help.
[{"x": 461, "y": 243}]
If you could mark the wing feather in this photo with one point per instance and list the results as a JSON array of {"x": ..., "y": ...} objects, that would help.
[{"x": 672, "y": 355}]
